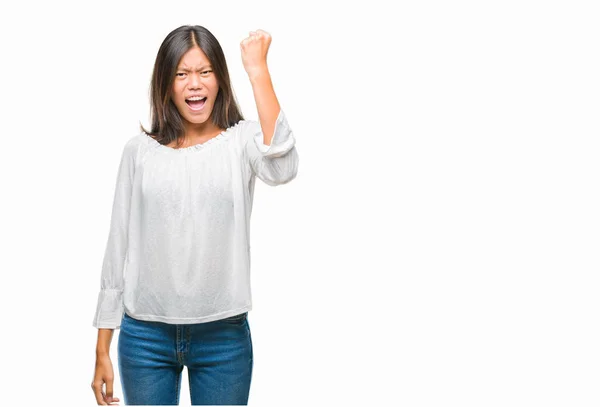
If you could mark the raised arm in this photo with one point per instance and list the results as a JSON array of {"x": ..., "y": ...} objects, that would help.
[
  {"x": 270, "y": 146},
  {"x": 254, "y": 57}
]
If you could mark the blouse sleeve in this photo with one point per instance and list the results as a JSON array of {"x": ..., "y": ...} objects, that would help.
[
  {"x": 276, "y": 163},
  {"x": 109, "y": 309}
]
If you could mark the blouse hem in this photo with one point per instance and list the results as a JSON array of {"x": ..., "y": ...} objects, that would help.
[{"x": 193, "y": 320}]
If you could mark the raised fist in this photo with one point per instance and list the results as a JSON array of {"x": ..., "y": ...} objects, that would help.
[{"x": 254, "y": 51}]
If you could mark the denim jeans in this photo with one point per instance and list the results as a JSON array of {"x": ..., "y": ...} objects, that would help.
[{"x": 218, "y": 356}]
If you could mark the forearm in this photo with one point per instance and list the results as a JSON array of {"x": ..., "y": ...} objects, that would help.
[
  {"x": 266, "y": 102},
  {"x": 104, "y": 340}
]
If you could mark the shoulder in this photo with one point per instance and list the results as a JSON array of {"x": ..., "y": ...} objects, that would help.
[
  {"x": 247, "y": 128},
  {"x": 243, "y": 130},
  {"x": 244, "y": 124},
  {"x": 133, "y": 144},
  {"x": 251, "y": 127},
  {"x": 138, "y": 139}
]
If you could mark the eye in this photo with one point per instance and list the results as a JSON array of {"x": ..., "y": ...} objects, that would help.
[
  {"x": 206, "y": 71},
  {"x": 180, "y": 73}
]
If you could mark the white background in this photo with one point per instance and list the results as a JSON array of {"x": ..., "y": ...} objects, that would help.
[{"x": 439, "y": 245}]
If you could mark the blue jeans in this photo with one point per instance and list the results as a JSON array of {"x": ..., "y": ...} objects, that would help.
[{"x": 218, "y": 356}]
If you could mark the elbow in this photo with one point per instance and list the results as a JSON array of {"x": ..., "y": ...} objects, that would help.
[
  {"x": 283, "y": 180},
  {"x": 287, "y": 173},
  {"x": 292, "y": 173}
]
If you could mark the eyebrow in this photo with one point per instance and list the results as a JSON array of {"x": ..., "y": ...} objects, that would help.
[{"x": 187, "y": 69}]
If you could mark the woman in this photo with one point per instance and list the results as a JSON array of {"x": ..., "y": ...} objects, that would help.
[{"x": 176, "y": 271}]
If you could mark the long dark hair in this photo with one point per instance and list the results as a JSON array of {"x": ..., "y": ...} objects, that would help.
[{"x": 167, "y": 123}]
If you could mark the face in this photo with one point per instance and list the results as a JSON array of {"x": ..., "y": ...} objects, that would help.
[{"x": 195, "y": 77}]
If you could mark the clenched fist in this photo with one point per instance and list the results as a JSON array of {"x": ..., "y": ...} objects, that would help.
[{"x": 254, "y": 51}]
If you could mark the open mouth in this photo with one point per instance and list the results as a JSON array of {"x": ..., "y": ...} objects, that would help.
[{"x": 196, "y": 104}]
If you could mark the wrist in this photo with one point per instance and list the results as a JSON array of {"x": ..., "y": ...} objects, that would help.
[{"x": 258, "y": 74}]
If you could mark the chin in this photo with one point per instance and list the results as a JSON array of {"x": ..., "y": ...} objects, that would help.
[{"x": 198, "y": 120}]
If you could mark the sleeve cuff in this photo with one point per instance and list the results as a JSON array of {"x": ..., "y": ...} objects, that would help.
[
  {"x": 283, "y": 139},
  {"x": 109, "y": 310}
]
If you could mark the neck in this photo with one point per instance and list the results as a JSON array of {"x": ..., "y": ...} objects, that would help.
[{"x": 201, "y": 131}]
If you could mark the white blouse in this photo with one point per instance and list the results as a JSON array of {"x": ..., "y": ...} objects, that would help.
[{"x": 178, "y": 250}]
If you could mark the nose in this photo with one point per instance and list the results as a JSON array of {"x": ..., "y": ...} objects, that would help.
[{"x": 195, "y": 81}]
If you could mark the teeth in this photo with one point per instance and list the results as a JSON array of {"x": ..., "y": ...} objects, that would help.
[{"x": 197, "y": 98}]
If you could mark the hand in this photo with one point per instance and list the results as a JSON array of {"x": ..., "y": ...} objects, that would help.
[
  {"x": 254, "y": 51},
  {"x": 104, "y": 374}
]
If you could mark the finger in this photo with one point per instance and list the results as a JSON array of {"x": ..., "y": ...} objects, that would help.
[
  {"x": 108, "y": 400},
  {"x": 111, "y": 399},
  {"x": 97, "y": 387},
  {"x": 109, "y": 388}
]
